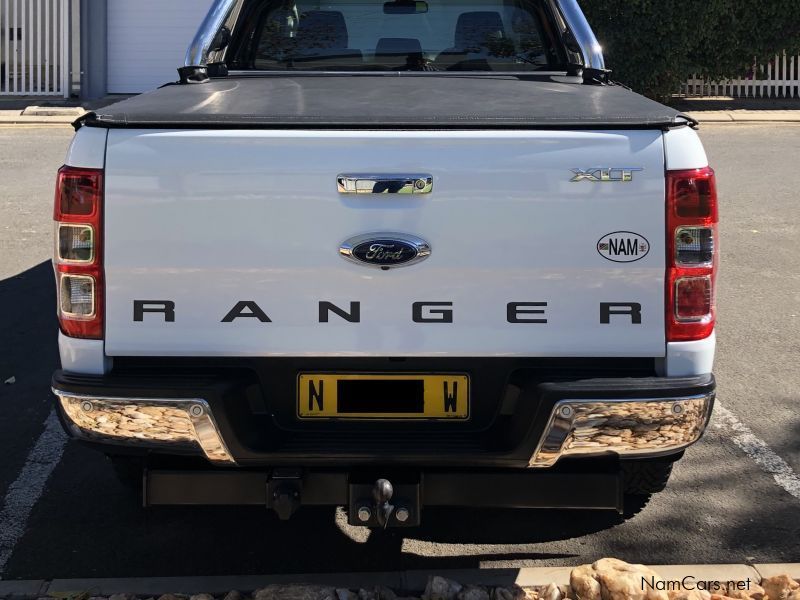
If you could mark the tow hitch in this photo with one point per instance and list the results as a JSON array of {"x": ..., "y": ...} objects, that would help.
[{"x": 383, "y": 504}]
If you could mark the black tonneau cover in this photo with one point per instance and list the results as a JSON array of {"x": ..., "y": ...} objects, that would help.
[{"x": 380, "y": 102}]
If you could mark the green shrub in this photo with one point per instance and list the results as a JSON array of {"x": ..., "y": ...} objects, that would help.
[{"x": 655, "y": 45}]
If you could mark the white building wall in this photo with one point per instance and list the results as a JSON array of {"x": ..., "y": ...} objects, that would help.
[{"x": 147, "y": 41}]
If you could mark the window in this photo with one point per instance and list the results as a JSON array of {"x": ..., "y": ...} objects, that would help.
[{"x": 363, "y": 35}]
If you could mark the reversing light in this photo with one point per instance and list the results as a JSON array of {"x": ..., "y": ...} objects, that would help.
[
  {"x": 694, "y": 246},
  {"x": 75, "y": 243}
]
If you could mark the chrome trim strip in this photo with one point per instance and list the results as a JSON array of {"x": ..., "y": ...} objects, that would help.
[
  {"x": 638, "y": 427},
  {"x": 197, "y": 54},
  {"x": 384, "y": 184},
  {"x": 592, "y": 50},
  {"x": 184, "y": 424}
]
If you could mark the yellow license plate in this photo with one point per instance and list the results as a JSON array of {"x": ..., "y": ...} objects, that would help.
[{"x": 376, "y": 396}]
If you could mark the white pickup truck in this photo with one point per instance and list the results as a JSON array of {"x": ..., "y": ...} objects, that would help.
[{"x": 388, "y": 256}]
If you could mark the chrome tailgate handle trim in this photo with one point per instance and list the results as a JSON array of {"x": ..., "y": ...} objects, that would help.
[{"x": 359, "y": 183}]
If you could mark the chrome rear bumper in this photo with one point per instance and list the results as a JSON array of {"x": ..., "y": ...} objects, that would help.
[
  {"x": 629, "y": 418},
  {"x": 629, "y": 428},
  {"x": 184, "y": 425}
]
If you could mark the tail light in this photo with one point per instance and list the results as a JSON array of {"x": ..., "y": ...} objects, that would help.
[
  {"x": 78, "y": 252},
  {"x": 692, "y": 254}
]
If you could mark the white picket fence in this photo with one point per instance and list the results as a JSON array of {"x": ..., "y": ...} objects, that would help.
[
  {"x": 778, "y": 78},
  {"x": 35, "y": 47}
]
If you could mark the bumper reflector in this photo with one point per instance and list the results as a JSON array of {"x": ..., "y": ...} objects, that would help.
[
  {"x": 630, "y": 428},
  {"x": 168, "y": 424}
]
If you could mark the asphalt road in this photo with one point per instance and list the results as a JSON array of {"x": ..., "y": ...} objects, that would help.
[{"x": 721, "y": 506}]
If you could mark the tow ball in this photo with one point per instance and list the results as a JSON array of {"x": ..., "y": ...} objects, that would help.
[{"x": 384, "y": 504}]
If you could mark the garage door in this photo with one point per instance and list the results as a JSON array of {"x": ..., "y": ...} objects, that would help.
[{"x": 147, "y": 41}]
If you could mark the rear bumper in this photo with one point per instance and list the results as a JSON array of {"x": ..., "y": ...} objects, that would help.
[{"x": 218, "y": 417}]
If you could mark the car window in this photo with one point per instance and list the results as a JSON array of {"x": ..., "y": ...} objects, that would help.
[{"x": 362, "y": 35}]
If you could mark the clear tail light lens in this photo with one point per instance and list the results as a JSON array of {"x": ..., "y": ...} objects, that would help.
[
  {"x": 78, "y": 252},
  {"x": 76, "y": 296},
  {"x": 692, "y": 254},
  {"x": 694, "y": 246},
  {"x": 75, "y": 243}
]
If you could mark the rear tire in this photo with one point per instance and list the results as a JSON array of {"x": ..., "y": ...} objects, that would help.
[
  {"x": 128, "y": 470},
  {"x": 633, "y": 504},
  {"x": 645, "y": 477}
]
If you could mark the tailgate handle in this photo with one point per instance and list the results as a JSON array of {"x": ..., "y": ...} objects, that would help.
[{"x": 385, "y": 184}]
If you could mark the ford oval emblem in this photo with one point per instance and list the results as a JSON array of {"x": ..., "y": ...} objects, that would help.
[
  {"x": 385, "y": 250},
  {"x": 623, "y": 247}
]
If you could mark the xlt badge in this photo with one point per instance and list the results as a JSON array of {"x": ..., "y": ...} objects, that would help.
[
  {"x": 605, "y": 174},
  {"x": 385, "y": 250}
]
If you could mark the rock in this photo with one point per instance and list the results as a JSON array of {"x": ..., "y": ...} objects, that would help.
[
  {"x": 439, "y": 588},
  {"x": 509, "y": 593},
  {"x": 171, "y": 597},
  {"x": 622, "y": 581},
  {"x": 747, "y": 591},
  {"x": 551, "y": 592},
  {"x": 376, "y": 593},
  {"x": 779, "y": 587},
  {"x": 690, "y": 595},
  {"x": 473, "y": 592},
  {"x": 583, "y": 583},
  {"x": 295, "y": 592},
  {"x": 122, "y": 597},
  {"x": 343, "y": 594},
  {"x": 385, "y": 593},
  {"x": 201, "y": 597}
]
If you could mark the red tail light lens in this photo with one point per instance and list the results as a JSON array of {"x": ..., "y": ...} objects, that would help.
[
  {"x": 692, "y": 254},
  {"x": 695, "y": 194},
  {"x": 78, "y": 252},
  {"x": 693, "y": 298}
]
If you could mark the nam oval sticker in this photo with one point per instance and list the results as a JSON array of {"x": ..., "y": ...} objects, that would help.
[{"x": 623, "y": 247}]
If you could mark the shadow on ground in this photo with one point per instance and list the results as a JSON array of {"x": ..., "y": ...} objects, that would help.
[{"x": 29, "y": 355}]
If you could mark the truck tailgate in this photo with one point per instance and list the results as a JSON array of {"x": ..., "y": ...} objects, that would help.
[{"x": 208, "y": 219}]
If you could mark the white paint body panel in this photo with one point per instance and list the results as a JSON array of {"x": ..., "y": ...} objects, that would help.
[
  {"x": 88, "y": 149},
  {"x": 209, "y": 218},
  {"x": 85, "y": 357},
  {"x": 685, "y": 359},
  {"x": 147, "y": 41},
  {"x": 684, "y": 150}
]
